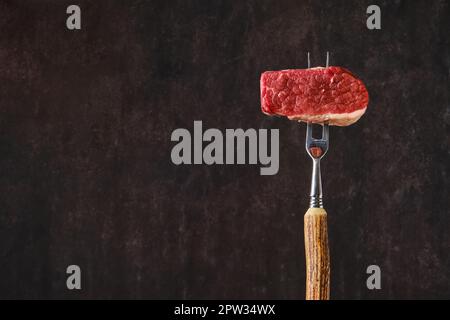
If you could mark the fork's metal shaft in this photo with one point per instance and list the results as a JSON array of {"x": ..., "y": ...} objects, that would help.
[
  {"x": 316, "y": 149},
  {"x": 316, "y": 186}
]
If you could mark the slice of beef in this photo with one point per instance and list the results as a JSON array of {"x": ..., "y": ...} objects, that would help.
[{"x": 317, "y": 95}]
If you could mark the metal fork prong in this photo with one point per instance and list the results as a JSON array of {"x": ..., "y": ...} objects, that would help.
[
  {"x": 308, "y": 132},
  {"x": 325, "y": 132},
  {"x": 328, "y": 59},
  {"x": 309, "y": 61}
]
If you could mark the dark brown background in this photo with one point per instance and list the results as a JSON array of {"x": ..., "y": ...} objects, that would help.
[{"x": 85, "y": 170}]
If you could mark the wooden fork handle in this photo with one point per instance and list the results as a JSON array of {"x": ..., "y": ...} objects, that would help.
[{"x": 317, "y": 255}]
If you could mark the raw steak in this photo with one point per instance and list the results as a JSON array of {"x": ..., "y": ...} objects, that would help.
[{"x": 317, "y": 95}]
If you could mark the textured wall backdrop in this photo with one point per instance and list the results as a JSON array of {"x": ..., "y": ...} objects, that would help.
[{"x": 85, "y": 170}]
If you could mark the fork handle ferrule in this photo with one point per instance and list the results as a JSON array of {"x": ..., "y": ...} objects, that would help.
[{"x": 316, "y": 186}]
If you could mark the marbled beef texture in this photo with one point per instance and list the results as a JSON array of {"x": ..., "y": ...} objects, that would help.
[{"x": 330, "y": 94}]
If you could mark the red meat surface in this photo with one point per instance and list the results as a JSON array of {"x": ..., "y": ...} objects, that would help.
[{"x": 317, "y": 95}]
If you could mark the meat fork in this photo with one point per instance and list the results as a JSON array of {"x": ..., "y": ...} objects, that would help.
[{"x": 315, "y": 227}]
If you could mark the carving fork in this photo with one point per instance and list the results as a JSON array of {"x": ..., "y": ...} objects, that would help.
[{"x": 315, "y": 228}]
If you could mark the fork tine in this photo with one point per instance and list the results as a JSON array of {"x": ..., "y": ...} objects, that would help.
[
  {"x": 325, "y": 132},
  {"x": 308, "y": 131}
]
